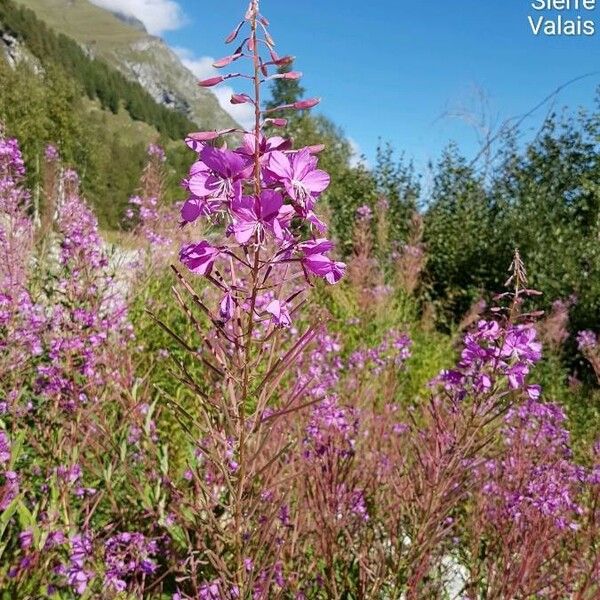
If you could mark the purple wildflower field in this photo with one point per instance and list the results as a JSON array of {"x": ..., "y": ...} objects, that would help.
[{"x": 274, "y": 449}]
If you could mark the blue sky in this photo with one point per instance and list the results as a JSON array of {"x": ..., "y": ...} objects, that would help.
[{"x": 394, "y": 69}]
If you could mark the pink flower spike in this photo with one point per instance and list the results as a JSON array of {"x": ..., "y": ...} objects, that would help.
[
  {"x": 306, "y": 104},
  {"x": 280, "y": 315},
  {"x": 211, "y": 81},
  {"x": 199, "y": 258},
  {"x": 223, "y": 62}
]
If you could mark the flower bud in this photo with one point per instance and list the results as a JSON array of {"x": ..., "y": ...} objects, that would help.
[
  {"x": 223, "y": 62},
  {"x": 211, "y": 81},
  {"x": 306, "y": 104}
]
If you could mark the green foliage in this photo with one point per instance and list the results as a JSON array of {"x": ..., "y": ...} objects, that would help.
[
  {"x": 98, "y": 79},
  {"x": 551, "y": 211},
  {"x": 398, "y": 183},
  {"x": 459, "y": 225},
  {"x": 544, "y": 200},
  {"x": 107, "y": 150}
]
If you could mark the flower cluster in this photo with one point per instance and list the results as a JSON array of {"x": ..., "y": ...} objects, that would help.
[
  {"x": 264, "y": 194},
  {"x": 222, "y": 187},
  {"x": 537, "y": 477},
  {"x": 128, "y": 556},
  {"x": 155, "y": 221},
  {"x": 332, "y": 428},
  {"x": 20, "y": 319},
  {"x": 86, "y": 309},
  {"x": 79, "y": 572},
  {"x": 319, "y": 369},
  {"x": 9, "y": 488},
  {"x": 492, "y": 352},
  {"x": 586, "y": 340},
  {"x": 393, "y": 351}
]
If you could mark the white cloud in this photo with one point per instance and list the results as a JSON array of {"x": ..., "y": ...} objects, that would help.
[
  {"x": 157, "y": 16},
  {"x": 357, "y": 157},
  {"x": 202, "y": 68}
]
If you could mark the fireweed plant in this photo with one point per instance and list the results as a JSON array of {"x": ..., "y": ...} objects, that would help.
[
  {"x": 265, "y": 194},
  {"x": 297, "y": 468}
]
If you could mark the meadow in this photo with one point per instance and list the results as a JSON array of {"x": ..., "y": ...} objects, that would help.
[{"x": 296, "y": 383}]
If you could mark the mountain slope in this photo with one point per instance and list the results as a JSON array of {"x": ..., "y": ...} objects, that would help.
[{"x": 138, "y": 55}]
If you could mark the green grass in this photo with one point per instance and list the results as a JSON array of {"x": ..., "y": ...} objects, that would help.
[{"x": 85, "y": 23}]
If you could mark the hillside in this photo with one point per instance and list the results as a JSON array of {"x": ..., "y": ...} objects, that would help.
[
  {"x": 139, "y": 56},
  {"x": 98, "y": 118}
]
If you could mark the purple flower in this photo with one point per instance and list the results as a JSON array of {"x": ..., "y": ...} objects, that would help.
[
  {"x": 156, "y": 151},
  {"x": 226, "y": 307},
  {"x": 586, "y": 340},
  {"x": 520, "y": 344},
  {"x": 199, "y": 258},
  {"x": 4, "y": 448},
  {"x": 51, "y": 153},
  {"x": 9, "y": 490},
  {"x": 78, "y": 576},
  {"x": 253, "y": 215},
  {"x": 280, "y": 315},
  {"x": 299, "y": 175},
  {"x": 314, "y": 261},
  {"x": 211, "y": 591},
  {"x": 332, "y": 428},
  {"x": 364, "y": 212},
  {"x": 26, "y": 539},
  {"x": 128, "y": 556},
  {"x": 216, "y": 173}
]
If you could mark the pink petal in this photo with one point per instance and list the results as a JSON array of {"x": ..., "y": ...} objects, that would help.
[
  {"x": 199, "y": 258},
  {"x": 316, "y": 181},
  {"x": 270, "y": 203},
  {"x": 243, "y": 231},
  {"x": 190, "y": 211},
  {"x": 279, "y": 165}
]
